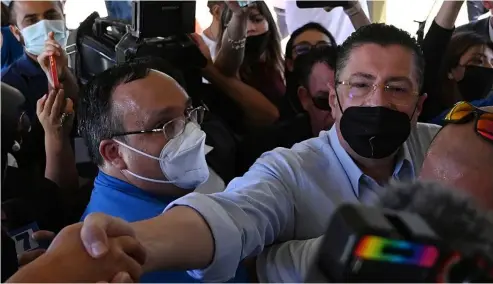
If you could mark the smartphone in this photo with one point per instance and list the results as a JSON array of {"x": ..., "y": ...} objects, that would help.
[
  {"x": 320, "y": 4},
  {"x": 54, "y": 73}
]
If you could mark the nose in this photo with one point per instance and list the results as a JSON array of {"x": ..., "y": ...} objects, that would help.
[
  {"x": 250, "y": 28},
  {"x": 376, "y": 97}
]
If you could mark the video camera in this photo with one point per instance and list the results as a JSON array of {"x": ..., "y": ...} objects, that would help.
[
  {"x": 158, "y": 29},
  {"x": 364, "y": 244}
]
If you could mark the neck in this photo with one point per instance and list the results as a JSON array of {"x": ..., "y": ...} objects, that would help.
[
  {"x": 160, "y": 189},
  {"x": 378, "y": 169},
  {"x": 32, "y": 56},
  {"x": 212, "y": 31}
]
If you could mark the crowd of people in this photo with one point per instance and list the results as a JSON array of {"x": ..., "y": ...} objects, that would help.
[{"x": 240, "y": 186}]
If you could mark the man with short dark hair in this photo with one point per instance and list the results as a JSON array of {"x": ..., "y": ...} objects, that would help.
[
  {"x": 40, "y": 27},
  {"x": 143, "y": 133},
  {"x": 289, "y": 194}
]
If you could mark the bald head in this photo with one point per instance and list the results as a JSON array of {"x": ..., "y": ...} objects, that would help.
[{"x": 459, "y": 157}]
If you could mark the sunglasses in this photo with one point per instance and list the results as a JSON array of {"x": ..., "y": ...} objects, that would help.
[
  {"x": 464, "y": 112},
  {"x": 321, "y": 102}
]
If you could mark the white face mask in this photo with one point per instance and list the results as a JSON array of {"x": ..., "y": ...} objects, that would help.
[
  {"x": 182, "y": 159},
  {"x": 36, "y": 35}
]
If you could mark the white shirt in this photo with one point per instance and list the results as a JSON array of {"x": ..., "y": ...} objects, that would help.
[
  {"x": 335, "y": 21},
  {"x": 211, "y": 44},
  {"x": 287, "y": 198},
  {"x": 490, "y": 28},
  {"x": 212, "y": 48}
]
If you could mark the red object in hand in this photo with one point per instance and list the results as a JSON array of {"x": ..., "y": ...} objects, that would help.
[{"x": 54, "y": 73}]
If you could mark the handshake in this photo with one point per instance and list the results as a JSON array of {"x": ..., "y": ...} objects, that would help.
[{"x": 102, "y": 249}]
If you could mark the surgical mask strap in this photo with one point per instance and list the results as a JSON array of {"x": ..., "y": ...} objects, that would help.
[
  {"x": 138, "y": 151},
  {"x": 147, "y": 179}
]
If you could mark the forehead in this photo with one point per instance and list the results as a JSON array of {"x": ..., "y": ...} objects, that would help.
[
  {"x": 311, "y": 36},
  {"x": 142, "y": 98},
  {"x": 380, "y": 62},
  {"x": 479, "y": 49},
  {"x": 34, "y": 7},
  {"x": 320, "y": 76}
]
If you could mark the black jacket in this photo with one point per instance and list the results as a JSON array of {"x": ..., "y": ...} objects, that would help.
[{"x": 481, "y": 27}]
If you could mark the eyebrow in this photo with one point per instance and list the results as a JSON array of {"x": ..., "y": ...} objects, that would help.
[
  {"x": 50, "y": 11},
  {"x": 157, "y": 116},
  {"x": 387, "y": 80}
]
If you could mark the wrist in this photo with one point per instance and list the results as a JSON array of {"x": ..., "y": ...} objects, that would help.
[
  {"x": 56, "y": 139},
  {"x": 353, "y": 9}
]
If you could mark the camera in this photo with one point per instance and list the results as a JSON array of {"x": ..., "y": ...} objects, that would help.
[{"x": 365, "y": 244}]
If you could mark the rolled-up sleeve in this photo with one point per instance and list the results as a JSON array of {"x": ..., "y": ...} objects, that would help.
[{"x": 250, "y": 214}]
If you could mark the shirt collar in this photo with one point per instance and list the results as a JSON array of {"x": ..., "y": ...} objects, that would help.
[
  {"x": 107, "y": 182},
  {"x": 29, "y": 67},
  {"x": 403, "y": 168}
]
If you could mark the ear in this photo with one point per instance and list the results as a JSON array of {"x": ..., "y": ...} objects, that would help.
[
  {"x": 110, "y": 151},
  {"x": 333, "y": 102},
  {"x": 289, "y": 64},
  {"x": 16, "y": 32},
  {"x": 488, "y": 5},
  {"x": 216, "y": 12},
  {"x": 305, "y": 98}
]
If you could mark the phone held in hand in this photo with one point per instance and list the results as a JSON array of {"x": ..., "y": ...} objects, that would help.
[
  {"x": 54, "y": 73},
  {"x": 320, "y": 4}
]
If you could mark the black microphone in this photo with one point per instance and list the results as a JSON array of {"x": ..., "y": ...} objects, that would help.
[{"x": 426, "y": 233}]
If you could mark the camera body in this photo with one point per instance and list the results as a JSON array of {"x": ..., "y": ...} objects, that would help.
[{"x": 365, "y": 244}]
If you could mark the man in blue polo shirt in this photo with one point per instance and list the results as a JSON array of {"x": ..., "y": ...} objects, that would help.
[
  {"x": 143, "y": 134},
  {"x": 40, "y": 27}
]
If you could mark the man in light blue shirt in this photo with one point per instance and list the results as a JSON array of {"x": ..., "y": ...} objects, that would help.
[{"x": 288, "y": 195}]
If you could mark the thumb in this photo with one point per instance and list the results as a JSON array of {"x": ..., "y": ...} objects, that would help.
[
  {"x": 96, "y": 230},
  {"x": 51, "y": 35}
]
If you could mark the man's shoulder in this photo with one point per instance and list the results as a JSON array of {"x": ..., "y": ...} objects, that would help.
[
  {"x": 115, "y": 202},
  {"x": 285, "y": 161}
]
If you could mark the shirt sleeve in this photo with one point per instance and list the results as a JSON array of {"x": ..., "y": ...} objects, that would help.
[
  {"x": 289, "y": 262},
  {"x": 251, "y": 213}
]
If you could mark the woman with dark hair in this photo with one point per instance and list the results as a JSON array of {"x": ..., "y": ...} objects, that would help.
[
  {"x": 459, "y": 66},
  {"x": 466, "y": 72},
  {"x": 11, "y": 48},
  {"x": 249, "y": 49},
  {"x": 302, "y": 41}
]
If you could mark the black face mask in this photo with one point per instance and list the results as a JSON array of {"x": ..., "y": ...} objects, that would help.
[
  {"x": 374, "y": 132},
  {"x": 256, "y": 45},
  {"x": 476, "y": 84}
]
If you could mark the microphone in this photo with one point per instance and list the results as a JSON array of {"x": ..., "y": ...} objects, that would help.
[{"x": 426, "y": 233}]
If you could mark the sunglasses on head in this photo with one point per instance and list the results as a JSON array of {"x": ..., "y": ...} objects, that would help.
[{"x": 464, "y": 112}]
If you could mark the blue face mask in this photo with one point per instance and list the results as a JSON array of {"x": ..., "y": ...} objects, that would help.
[{"x": 36, "y": 35}]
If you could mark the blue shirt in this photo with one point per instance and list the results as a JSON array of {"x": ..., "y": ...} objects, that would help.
[
  {"x": 26, "y": 75},
  {"x": 121, "y": 10},
  {"x": 120, "y": 199},
  {"x": 11, "y": 48},
  {"x": 488, "y": 101},
  {"x": 287, "y": 197}
]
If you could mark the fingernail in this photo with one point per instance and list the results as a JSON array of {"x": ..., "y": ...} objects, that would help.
[
  {"x": 125, "y": 278},
  {"x": 98, "y": 248}
]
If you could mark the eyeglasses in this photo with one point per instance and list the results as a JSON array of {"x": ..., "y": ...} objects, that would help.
[
  {"x": 464, "y": 112},
  {"x": 174, "y": 127},
  {"x": 303, "y": 48},
  {"x": 398, "y": 93}
]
